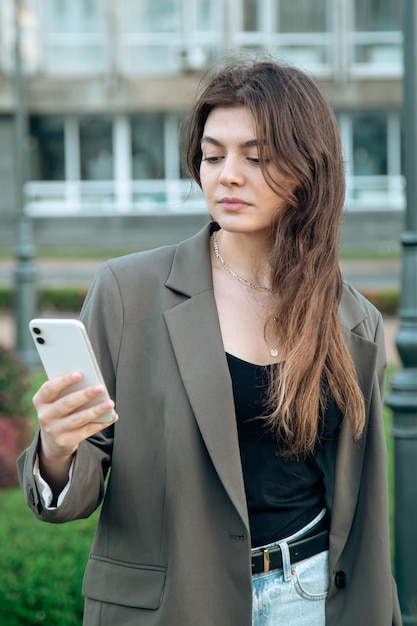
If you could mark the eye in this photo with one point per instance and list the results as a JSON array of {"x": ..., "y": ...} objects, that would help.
[
  {"x": 211, "y": 159},
  {"x": 255, "y": 160}
]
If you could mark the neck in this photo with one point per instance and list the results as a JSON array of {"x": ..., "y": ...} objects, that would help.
[{"x": 246, "y": 255}]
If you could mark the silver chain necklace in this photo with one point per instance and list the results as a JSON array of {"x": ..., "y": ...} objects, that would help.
[{"x": 230, "y": 271}]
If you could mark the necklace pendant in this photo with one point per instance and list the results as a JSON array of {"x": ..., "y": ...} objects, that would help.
[{"x": 273, "y": 352}]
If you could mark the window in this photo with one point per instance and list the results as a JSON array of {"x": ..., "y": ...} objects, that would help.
[
  {"x": 298, "y": 31},
  {"x": 302, "y": 16},
  {"x": 377, "y": 35},
  {"x": 371, "y": 15},
  {"x": 47, "y": 152},
  {"x": 372, "y": 149},
  {"x": 201, "y": 33},
  {"x": 310, "y": 21},
  {"x": 148, "y": 146},
  {"x": 149, "y": 30},
  {"x": 370, "y": 143},
  {"x": 96, "y": 148},
  {"x": 74, "y": 36},
  {"x": 250, "y": 16}
]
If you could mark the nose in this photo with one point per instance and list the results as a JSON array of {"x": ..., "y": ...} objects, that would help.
[{"x": 231, "y": 172}]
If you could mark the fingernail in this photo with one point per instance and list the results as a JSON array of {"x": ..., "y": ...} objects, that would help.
[
  {"x": 76, "y": 375},
  {"x": 98, "y": 389}
]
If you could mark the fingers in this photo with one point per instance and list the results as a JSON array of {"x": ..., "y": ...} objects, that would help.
[
  {"x": 53, "y": 388},
  {"x": 59, "y": 397},
  {"x": 64, "y": 419}
]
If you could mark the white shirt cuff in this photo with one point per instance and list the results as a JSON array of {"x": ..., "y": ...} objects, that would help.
[{"x": 45, "y": 492}]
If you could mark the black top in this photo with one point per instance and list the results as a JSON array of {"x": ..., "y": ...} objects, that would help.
[{"x": 283, "y": 494}]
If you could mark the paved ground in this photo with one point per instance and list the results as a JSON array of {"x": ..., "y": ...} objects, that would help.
[
  {"x": 372, "y": 275},
  {"x": 364, "y": 275}
]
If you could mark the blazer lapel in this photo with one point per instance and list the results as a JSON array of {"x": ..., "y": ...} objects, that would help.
[
  {"x": 350, "y": 455},
  {"x": 194, "y": 329}
]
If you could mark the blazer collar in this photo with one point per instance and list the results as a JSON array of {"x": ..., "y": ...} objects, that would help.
[
  {"x": 191, "y": 269},
  {"x": 351, "y": 313}
]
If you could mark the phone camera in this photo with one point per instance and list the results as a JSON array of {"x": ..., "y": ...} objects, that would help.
[
  {"x": 40, "y": 340},
  {"x": 37, "y": 330}
]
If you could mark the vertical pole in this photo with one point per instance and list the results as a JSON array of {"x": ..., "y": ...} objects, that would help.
[
  {"x": 25, "y": 270},
  {"x": 402, "y": 399}
]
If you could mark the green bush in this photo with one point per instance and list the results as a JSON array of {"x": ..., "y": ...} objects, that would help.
[
  {"x": 385, "y": 301},
  {"x": 71, "y": 299},
  {"x": 65, "y": 299},
  {"x": 68, "y": 299},
  {"x": 6, "y": 298},
  {"x": 14, "y": 385},
  {"x": 15, "y": 415},
  {"x": 42, "y": 566}
]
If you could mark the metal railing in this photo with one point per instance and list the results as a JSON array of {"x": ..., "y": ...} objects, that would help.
[
  {"x": 93, "y": 198},
  {"x": 176, "y": 197}
]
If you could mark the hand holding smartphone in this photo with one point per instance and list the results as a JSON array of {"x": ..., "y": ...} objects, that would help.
[{"x": 63, "y": 346}]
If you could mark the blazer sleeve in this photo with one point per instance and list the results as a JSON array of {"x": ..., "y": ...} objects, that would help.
[{"x": 93, "y": 457}]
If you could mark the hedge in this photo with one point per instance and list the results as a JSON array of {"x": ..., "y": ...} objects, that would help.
[{"x": 71, "y": 299}]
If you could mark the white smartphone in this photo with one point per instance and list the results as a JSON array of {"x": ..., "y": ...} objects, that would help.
[{"x": 63, "y": 346}]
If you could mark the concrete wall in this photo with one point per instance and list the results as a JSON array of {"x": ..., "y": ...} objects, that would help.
[
  {"x": 377, "y": 231},
  {"x": 362, "y": 231}
]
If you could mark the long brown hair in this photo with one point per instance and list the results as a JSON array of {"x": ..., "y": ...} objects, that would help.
[{"x": 297, "y": 131}]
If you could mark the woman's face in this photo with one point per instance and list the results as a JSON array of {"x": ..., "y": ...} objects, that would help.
[{"x": 237, "y": 194}]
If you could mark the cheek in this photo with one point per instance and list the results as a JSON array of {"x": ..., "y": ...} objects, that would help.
[{"x": 206, "y": 180}]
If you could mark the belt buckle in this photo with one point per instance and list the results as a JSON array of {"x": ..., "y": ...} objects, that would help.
[{"x": 267, "y": 560}]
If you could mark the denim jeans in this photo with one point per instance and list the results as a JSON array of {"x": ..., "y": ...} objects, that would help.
[{"x": 295, "y": 595}]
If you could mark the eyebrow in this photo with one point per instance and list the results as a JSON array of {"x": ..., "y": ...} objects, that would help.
[{"x": 246, "y": 144}]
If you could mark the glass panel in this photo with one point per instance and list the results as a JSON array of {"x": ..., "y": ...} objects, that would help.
[
  {"x": 96, "y": 147},
  {"x": 149, "y": 16},
  {"x": 74, "y": 36},
  {"x": 206, "y": 14},
  {"x": 47, "y": 152},
  {"x": 76, "y": 16},
  {"x": 251, "y": 15},
  {"x": 302, "y": 16},
  {"x": 372, "y": 15},
  {"x": 137, "y": 59},
  {"x": 148, "y": 146},
  {"x": 75, "y": 58},
  {"x": 369, "y": 143},
  {"x": 149, "y": 31},
  {"x": 382, "y": 54}
]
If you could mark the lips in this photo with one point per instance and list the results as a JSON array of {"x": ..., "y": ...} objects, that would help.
[{"x": 232, "y": 203}]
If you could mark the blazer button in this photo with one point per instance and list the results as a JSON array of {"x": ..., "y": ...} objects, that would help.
[{"x": 340, "y": 579}]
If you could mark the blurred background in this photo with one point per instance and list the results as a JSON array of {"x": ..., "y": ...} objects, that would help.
[
  {"x": 92, "y": 93},
  {"x": 105, "y": 83}
]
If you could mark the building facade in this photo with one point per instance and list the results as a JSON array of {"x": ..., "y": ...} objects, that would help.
[{"x": 108, "y": 81}]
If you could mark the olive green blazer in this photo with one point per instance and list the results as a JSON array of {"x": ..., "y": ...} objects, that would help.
[{"x": 172, "y": 545}]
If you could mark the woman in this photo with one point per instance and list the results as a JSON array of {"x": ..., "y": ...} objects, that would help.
[{"x": 248, "y": 476}]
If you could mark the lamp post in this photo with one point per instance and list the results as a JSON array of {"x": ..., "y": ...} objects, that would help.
[
  {"x": 402, "y": 399},
  {"x": 25, "y": 271}
]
